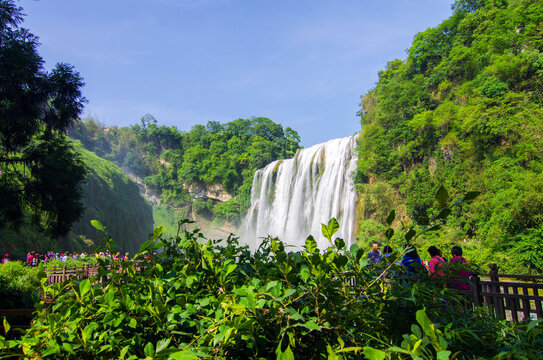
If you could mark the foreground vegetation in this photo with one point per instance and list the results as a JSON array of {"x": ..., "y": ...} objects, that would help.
[
  {"x": 465, "y": 109},
  {"x": 200, "y": 298}
]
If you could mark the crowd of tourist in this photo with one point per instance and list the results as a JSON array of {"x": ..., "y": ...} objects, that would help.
[
  {"x": 414, "y": 265},
  {"x": 34, "y": 258}
]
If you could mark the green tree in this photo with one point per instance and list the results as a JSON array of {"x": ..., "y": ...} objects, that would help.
[{"x": 40, "y": 172}]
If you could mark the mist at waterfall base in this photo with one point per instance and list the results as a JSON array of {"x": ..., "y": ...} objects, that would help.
[{"x": 291, "y": 199}]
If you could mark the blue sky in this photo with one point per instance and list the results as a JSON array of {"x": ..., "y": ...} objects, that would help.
[{"x": 303, "y": 64}]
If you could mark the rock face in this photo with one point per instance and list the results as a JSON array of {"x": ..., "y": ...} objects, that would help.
[
  {"x": 148, "y": 194},
  {"x": 214, "y": 192}
]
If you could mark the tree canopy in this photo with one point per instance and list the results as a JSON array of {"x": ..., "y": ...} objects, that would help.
[
  {"x": 39, "y": 172},
  {"x": 170, "y": 160}
]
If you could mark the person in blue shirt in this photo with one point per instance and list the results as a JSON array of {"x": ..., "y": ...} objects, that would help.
[
  {"x": 375, "y": 255},
  {"x": 412, "y": 262}
]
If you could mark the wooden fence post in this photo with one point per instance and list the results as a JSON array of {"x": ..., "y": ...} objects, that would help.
[
  {"x": 496, "y": 291},
  {"x": 476, "y": 290}
]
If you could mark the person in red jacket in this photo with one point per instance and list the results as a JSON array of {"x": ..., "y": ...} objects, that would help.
[
  {"x": 29, "y": 258},
  {"x": 435, "y": 265},
  {"x": 460, "y": 281}
]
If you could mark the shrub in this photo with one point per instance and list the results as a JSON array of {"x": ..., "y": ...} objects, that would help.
[
  {"x": 18, "y": 285},
  {"x": 200, "y": 298}
]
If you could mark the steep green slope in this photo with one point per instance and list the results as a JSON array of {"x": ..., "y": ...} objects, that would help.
[
  {"x": 108, "y": 195},
  {"x": 463, "y": 110},
  {"x": 111, "y": 197}
]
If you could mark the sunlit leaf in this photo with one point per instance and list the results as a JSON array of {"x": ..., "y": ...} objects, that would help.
[
  {"x": 158, "y": 231},
  {"x": 310, "y": 244},
  {"x": 97, "y": 225},
  {"x": 373, "y": 354}
]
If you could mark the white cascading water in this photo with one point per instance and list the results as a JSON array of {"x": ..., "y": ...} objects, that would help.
[{"x": 291, "y": 198}]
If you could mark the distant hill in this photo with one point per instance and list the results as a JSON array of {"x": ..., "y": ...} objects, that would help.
[
  {"x": 465, "y": 110},
  {"x": 204, "y": 174}
]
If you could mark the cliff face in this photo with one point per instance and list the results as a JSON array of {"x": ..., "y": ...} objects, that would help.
[{"x": 215, "y": 192}]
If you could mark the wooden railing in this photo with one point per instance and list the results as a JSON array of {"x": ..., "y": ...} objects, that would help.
[
  {"x": 61, "y": 274},
  {"x": 519, "y": 300}
]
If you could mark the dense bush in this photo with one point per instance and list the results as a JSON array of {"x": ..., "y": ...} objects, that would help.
[
  {"x": 19, "y": 285},
  {"x": 200, "y": 298}
]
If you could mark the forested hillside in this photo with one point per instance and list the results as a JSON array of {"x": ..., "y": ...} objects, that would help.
[
  {"x": 463, "y": 110},
  {"x": 185, "y": 167},
  {"x": 110, "y": 196}
]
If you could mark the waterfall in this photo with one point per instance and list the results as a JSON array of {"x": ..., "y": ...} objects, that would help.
[{"x": 291, "y": 198}]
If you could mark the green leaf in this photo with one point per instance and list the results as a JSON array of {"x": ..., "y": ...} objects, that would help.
[
  {"x": 146, "y": 245},
  {"x": 190, "y": 279},
  {"x": 426, "y": 324},
  {"x": 443, "y": 355},
  {"x": 286, "y": 355},
  {"x": 66, "y": 346},
  {"x": 310, "y": 244},
  {"x": 294, "y": 315},
  {"x": 354, "y": 349},
  {"x": 231, "y": 268},
  {"x": 442, "y": 196},
  {"x": 84, "y": 287},
  {"x": 373, "y": 354},
  {"x": 391, "y": 217},
  {"x": 389, "y": 233},
  {"x": 132, "y": 323},
  {"x": 311, "y": 325},
  {"x": 184, "y": 355},
  {"x": 340, "y": 243},
  {"x": 149, "y": 350},
  {"x": 6, "y": 326},
  {"x": 329, "y": 230},
  {"x": 443, "y": 213},
  {"x": 305, "y": 273},
  {"x": 471, "y": 195},
  {"x": 124, "y": 351},
  {"x": 416, "y": 346},
  {"x": 97, "y": 225},
  {"x": 158, "y": 231},
  {"x": 409, "y": 235}
]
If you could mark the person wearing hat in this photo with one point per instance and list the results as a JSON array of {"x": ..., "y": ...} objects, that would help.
[{"x": 5, "y": 259}]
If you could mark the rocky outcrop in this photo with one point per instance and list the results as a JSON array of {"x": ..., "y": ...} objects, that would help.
[
  {"x": 148, "y": 194},
  {"x": 215, "y": 192}
]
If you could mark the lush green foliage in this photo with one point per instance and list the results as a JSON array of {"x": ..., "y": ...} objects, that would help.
[
  {"x": 464, "y": 110},
  {"x": 19, "y": 285},
  {"x": 39, "y": 172},
  {"x": 199, "y": 298},
  {"x": 170, "y": 161}
]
